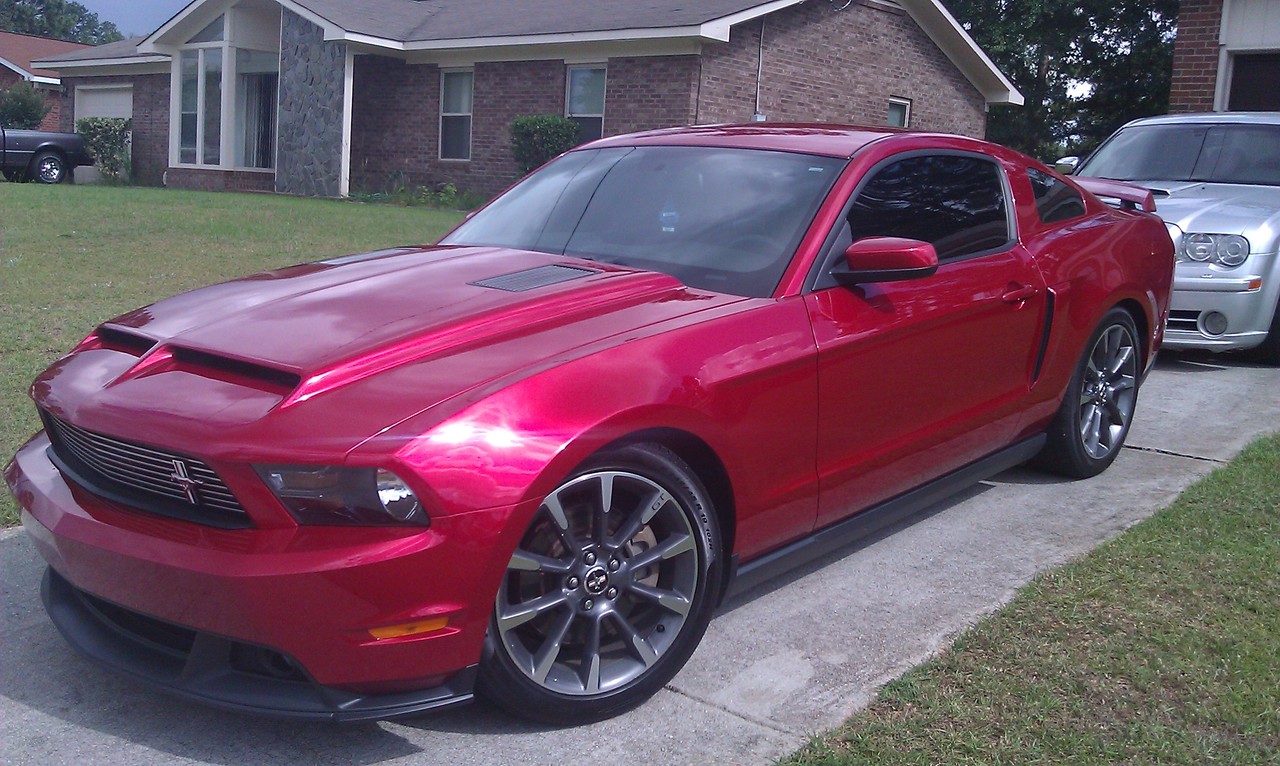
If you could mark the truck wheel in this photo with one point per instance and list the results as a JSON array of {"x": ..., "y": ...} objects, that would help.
[{"x": 49, "y": 168}]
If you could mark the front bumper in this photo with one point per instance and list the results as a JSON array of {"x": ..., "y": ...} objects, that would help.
[
  {"x": 1199, "y": 291},
  {"x": 305, "y": 598}
]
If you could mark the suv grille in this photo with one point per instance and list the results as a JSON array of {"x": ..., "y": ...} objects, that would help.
[{"x": 143, "y": 477}]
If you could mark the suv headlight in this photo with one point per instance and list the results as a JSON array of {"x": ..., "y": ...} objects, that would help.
[
  {"x": 337, "y": 495},
  {"x": 1229, "y": 250}
]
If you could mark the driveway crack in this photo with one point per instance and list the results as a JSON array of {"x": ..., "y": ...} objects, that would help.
[
  {"x": 1171, "y": 453},
  {"x": 742, "y": 716}
]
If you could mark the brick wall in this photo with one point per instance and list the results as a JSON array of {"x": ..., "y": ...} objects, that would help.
[
  {"x": 52, "y": 99},
  {"x": 648, "y": 93},
  {"x": 201, "y": 179},
  {"x": 150, "y": 120},
  {"x": 395, "y": 142},
  {"x": 1195, "y": 56},
  {"x": 807, "y": 77},
  {"x": 8, "y": 78}
]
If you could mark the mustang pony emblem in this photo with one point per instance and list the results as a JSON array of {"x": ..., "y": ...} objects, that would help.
[{"x": 185, "y": 481}]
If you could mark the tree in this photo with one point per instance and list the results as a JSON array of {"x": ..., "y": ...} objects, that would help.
[
  {"x": 1085, "y": 66},
  {"x": 56, "y": 19},
  {"x": 21, "y": 107}
]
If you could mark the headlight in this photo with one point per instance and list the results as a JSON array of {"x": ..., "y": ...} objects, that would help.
[
  {"x": 335, "y": 495},
  {"x": 1229, "y": 250}
]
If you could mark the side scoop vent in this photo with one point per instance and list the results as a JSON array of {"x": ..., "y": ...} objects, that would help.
[
  {"x": 532, "y": 279},
  {"x": 126, "y": 342}
]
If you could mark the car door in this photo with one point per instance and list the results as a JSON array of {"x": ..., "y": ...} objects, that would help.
[{"x": 919, "y": 377}]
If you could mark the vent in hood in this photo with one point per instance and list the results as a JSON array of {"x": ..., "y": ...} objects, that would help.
[{"x": 531, "y": 279}]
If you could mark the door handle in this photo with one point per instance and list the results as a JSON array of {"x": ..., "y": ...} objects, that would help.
[{"x": 1019, "y": 294}]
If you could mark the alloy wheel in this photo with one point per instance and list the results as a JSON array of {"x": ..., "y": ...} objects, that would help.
[{"x": 1108, "y": 391}]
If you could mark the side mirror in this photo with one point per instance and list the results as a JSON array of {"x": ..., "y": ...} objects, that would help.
[
  {"x": 886, "y": 259},
  {"x": 1066, "y": 165}
]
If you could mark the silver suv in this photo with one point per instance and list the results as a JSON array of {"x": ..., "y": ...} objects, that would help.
[{"x": 1216, "y": 178}]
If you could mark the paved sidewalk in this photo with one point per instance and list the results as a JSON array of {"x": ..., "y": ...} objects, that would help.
[{"x": 788, "y": 659}]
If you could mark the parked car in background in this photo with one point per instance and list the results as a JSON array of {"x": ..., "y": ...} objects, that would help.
[
  {"x": 40, "y": 155},
  {"x": 531, "y": 460},
  {"x": 1216, "y": 178}
]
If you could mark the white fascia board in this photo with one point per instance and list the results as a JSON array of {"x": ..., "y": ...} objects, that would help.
[
  {"x": 44, "y": 80},
  {"x": 67, "y": 66},
  {"x": 973, "y": 62},
  {"x": 718, "y": 29},
  {"x": 7, "y": 64},
  {"x": 159, "y": 42}
]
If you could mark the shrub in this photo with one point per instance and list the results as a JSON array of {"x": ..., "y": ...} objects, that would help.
[
  {"x": 22, "y": 107},
  {"x": 108, "y": 141},
  {"x": 537, "y": 138}
]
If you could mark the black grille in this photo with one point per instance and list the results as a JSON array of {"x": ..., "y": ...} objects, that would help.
[
  {"x": 144, "y": 477},
  {"x": 1183, "y": 320}
]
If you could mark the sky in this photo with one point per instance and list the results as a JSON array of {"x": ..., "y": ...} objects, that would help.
[{"x": 135, "y": 17}]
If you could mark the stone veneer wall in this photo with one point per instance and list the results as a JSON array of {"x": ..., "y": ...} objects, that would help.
[
  {"x": 1195, "y": 56},
  {"x": 309, "y": 143},
  {"x": 823, "y": 65}
]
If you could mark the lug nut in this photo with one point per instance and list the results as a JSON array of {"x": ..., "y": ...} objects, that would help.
[
  {"x": 590, "y": 558},
  {"x": 572, "y": 582},
  {"x": 588, "y": 604},
  {"x": 614, "y": 564},
  {"x": 611, "y": 593}
]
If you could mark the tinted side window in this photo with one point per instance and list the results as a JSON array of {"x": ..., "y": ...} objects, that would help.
[
  {"x": 1055, "y": 200},
  {"x": 956, "y": 203}
]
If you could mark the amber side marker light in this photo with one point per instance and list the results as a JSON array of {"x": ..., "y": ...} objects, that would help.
[
  {"x": 1255, "y": 284},
  {"x": 409, "y": 628}
]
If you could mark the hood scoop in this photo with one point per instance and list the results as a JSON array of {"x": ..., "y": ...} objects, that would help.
[{"x": 532, "y": 279}]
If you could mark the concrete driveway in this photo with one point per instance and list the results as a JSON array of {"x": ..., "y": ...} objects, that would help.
[{"x": 777, "y": 664}]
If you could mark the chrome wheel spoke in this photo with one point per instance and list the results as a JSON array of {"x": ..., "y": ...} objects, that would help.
[
  {"x": 600, "y": 519},
  {"x": 557, "y": 513},
  {"x": 669, "y": 600},
  {"x": 644, "y": 511},
  {"x": 549, "y": 652},
  {"x": 512, "y": 616},
  {"x": 644, "y": 651},
  {"x": 524, "y": 561},
  {"x": 589, "y": 671},
  {"x": 667, "y": 549}
]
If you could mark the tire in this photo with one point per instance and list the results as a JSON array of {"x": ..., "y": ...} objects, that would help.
[
  {"x": 1268, "y": 352},
  {"x": 48, "y": 168},
  {"x": 1094, "y": 418},
  {"x": 608, "y": 593}
]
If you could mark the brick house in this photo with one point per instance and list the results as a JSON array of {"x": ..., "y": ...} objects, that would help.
[
  {"x": 1227, "y": 56},
  {"x": 329, "y": 97},
  {"x": 17, "y": 51}
]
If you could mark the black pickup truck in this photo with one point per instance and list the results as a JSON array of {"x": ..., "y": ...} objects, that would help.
[{"x": 41, "y": 156}]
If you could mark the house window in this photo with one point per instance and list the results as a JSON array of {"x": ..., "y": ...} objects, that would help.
[
  {"x": 584, "y": 100},
  {"x": 200, "y": 126},
  {"x": 211, "y": 73},
  {"x": 899, "y": 112},
  {"x": 455, "y": 114}
]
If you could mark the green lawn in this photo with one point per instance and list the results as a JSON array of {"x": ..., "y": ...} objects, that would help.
[
  {"x": 73, "y": 256},
  {"x": 1162, "y": 646}
]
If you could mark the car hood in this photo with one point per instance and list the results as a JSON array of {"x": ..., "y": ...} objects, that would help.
[
  {"x": 1253, "y": 211},
  {"x": 379, "y": 337}
]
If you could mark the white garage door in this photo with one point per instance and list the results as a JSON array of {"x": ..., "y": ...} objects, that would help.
[{"x": 107, "y": 101}]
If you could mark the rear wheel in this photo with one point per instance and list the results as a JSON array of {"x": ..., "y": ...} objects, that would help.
[
  {"x": 608, "y": 593},
  {"x": 49, "y": 168},
  {"x": 1095, "y": 415}
]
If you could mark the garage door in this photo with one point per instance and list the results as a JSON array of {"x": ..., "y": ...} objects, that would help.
[
  {"x": 111, "y": 101},
  {"x": 1253, "y": 83}
]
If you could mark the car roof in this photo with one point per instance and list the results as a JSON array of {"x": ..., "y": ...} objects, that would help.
[
  {"x": 822, "y": 139},
  {"x": 1249, "y": 118}
]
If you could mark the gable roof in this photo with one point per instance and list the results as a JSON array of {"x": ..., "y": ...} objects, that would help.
[
  {"x": 17, "y": 51},
  {"x": 450, "y": 25}
]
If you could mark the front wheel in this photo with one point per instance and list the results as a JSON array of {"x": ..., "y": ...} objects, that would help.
[
  {"x": 1091, "y": 425},
  {"x": 49, "y": 168},
  {"x": 608, "y": 593}
]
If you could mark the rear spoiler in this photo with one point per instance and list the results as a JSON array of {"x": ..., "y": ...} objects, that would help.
[{"x": 1128, "y": 196}]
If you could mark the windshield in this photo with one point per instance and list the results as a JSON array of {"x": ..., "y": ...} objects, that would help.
[
  {"x": 718, "y": 219},
  {"x": 1229, "y": 154}
]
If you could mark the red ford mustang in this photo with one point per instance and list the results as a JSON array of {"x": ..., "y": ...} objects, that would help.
[{"x": 531, "y": 460}]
